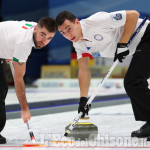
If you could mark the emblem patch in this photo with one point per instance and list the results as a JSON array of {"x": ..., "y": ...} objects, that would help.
[
  {"x": 117, "y": 16},
  {"x": 98, "y": 37}
]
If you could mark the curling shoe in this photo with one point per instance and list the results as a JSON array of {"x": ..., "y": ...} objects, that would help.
[
  {"x": 2, "y": 139},
  {"x": 144, "y": 131}
]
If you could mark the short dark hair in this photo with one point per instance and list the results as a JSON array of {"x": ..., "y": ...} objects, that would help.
[
  {"x": 65, "y": 15},
  {"x": 48, "y": 23}
]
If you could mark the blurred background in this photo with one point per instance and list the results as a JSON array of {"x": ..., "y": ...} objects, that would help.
[
  {"x": 55, "y": 66},
  {"x": 58, "y": 59}
]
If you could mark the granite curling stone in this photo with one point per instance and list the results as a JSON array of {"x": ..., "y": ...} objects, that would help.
[{"x": 83, "y": 131}]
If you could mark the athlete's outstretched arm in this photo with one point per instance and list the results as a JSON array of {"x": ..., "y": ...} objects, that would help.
[
  {"x": 130, "y": 25},
  {"x": 84, "y": 76},
  {"x": 19, "y": 71},
  {"x": 131, "y": 21}
]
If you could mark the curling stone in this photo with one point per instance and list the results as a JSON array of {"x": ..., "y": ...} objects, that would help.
[{"x": 83, "y": 131}]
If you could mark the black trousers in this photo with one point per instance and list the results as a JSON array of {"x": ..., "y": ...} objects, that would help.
[
  {"x": 3, "y": 93},
  {"x": 135, "y": 81}
]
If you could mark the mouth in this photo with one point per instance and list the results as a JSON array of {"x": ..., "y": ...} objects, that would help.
[
  {"x": 40, "y": 44},
  {"x": 72, "y": 38}
]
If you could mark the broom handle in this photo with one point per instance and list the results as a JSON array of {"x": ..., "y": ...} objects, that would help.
[{"x": 106, "y": 76}]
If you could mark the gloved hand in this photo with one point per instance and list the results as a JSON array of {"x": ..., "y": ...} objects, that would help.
[
  {"x": 121, "y": 52},
  {"x": 81, "y": 108}
]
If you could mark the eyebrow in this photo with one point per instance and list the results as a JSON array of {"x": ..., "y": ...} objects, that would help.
[{"x": 43, "y": 33}]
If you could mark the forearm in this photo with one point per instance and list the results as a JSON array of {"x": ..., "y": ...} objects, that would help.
[
  {"x": 20, "y": 92},
  {"x": 131, "y": 22},
  {"x": 84, "y": 78}
]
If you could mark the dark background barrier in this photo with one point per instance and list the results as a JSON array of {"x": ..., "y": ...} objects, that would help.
[{"x": 59, "y": 50}]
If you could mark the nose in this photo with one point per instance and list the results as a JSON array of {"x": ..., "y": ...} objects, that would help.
[{"x": 44, "y": 41}]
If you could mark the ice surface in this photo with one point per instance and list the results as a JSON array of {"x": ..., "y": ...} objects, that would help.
[
  {"x": 41, "y": 94},
  {"x": 115, "y": 124}
]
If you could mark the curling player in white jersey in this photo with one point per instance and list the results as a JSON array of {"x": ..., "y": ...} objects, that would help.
[
  {"x": 106, "y": 35},
  {"x": 16, "y": 41}
]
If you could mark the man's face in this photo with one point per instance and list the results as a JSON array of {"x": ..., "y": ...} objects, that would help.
[
  {"x": 41, "y": 37},
  {"x": 71, "y": 30}
]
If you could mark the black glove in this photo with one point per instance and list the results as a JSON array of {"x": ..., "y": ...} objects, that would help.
[
  {"x": 81, "y": 108},
  {"x": 121, "y": 52}
]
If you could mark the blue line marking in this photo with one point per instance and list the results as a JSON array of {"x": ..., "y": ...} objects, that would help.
[{"x": 44, "y": 107}]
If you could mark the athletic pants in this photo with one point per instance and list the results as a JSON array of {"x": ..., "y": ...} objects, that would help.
[
  {"x": 3, "y": 93},
  {"x": 135, "y": 81}
]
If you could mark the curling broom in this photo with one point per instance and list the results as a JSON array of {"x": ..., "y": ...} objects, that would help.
[{"x": 33, "y": 143}]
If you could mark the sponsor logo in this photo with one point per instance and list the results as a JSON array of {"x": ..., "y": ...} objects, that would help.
[{"x": 96, "y": 54}]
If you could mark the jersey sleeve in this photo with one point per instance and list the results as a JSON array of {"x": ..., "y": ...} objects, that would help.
[
  {"x": 108, "y": 20},
  {"x": 21, "y": 52},
  {"x": 82, "y": 54}
]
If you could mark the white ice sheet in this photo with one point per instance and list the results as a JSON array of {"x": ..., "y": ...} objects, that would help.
[
  {"x": 41, "y": 94},
  {"x": 115, "y": 124}
]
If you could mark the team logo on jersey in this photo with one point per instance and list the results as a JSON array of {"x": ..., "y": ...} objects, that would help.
[
  {"x": 98, "y": 37},
  {"x": 117, "y": 16}
]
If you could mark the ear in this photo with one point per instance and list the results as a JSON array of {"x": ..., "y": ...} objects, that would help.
[
  {"x": 35, "y": 28},
  {"x": 77, "y": 20}
]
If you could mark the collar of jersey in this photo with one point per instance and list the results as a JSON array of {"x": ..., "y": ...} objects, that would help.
[
  {"x": 84, "y": 32},
  {"x": 33, "y": 45}
]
